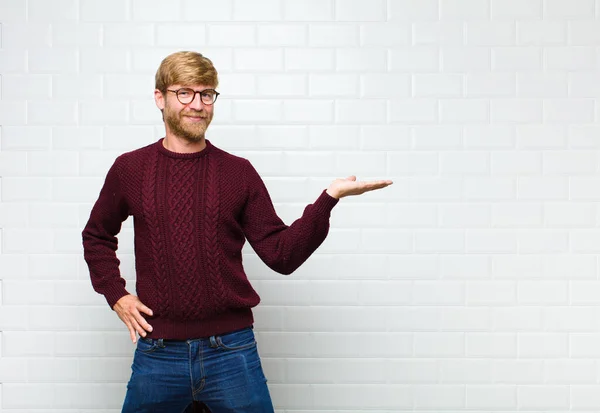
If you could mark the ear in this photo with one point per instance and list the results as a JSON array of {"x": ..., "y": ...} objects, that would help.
[{"x": 159, "y": 99}]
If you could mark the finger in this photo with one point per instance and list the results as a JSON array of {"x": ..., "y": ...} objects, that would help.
[
  {"x": 141, "y": 321},
  {"x": 131, "y": 331},
  {"x": 351, "y": 178},
  {"x": 139, "y": 328},
  {"x": 141, "y": 307}
]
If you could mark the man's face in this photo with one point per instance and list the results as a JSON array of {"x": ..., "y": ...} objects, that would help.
[{"x": 188, "y": 121}]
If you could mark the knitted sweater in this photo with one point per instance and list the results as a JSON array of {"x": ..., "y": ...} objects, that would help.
[{"x": 192, "y": 214}]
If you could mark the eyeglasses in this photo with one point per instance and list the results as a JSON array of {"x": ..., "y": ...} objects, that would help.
[{"x": 186, "y": 95}]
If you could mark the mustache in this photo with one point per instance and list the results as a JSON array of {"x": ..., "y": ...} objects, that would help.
[{"x": 195, "y": 113}]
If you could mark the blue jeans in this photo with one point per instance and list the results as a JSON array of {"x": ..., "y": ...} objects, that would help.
[{"x": 224, "y": 372}]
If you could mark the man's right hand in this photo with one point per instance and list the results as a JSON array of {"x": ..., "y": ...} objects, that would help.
[{"x": 129, "y": 309}]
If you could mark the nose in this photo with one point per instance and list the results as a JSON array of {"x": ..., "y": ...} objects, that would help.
[{"x": 196, "y": 103}]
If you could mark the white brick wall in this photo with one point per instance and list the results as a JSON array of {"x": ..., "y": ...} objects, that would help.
[{"x": 470, "y": 284}]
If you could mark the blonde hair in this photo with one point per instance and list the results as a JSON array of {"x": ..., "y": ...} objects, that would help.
[{"x": 186, "y": 69}]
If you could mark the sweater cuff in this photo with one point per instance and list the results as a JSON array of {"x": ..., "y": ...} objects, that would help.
[
  {"x": 325, "y": 203},
  {"x": 114, "y": 293}
]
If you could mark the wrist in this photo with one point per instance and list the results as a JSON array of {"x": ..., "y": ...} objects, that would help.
[{"x": 332, "y": 193}]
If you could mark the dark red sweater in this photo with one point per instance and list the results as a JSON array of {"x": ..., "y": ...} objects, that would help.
[{"x": 192, "y": 213}]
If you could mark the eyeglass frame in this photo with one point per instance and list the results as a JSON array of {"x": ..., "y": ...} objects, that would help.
[{"x": 194, "y": 97}]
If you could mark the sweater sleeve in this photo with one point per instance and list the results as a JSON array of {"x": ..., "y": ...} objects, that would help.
[
  {"x": 99, "y": 238},
  {"x": 283, "y": 248}
]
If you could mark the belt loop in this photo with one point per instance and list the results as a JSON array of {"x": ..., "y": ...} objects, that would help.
[
  {"x": 213, "y": 342},
  {"x": 161, "y": 343}
]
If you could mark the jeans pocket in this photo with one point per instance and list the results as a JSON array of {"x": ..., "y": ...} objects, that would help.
[
  {"x": 146, "y": 345},
  {"x": 241, "y": 340}
]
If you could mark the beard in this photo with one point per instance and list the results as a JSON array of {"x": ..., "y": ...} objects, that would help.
[{"x": 180, "y": 125}]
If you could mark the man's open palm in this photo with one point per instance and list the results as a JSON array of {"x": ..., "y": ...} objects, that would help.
[{"x": 350, "y": 186}]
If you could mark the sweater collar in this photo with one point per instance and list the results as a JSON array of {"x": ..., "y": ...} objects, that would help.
[{"x": 178, "y": 155}]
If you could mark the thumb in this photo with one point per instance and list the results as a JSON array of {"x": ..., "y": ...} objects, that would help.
[{"x": 351, "y": 178}]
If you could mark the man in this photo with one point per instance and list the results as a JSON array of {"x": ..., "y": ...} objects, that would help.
[{"x": 194, "y": 205}]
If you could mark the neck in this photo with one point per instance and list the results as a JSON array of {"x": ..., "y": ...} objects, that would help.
[{"x": 180, "y": 145}]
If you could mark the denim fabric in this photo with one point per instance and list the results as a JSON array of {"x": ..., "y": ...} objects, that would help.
[{"x": 224, "y": 372}]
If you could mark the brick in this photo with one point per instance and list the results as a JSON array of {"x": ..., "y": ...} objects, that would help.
[
  {"x": 542, "y": 85},
  {"x": 481, "y": 188},
  {"x": 413, "y": 164},
  {"x": 385, "y": 137},
  {"x": 77, "y": 86},
  {"x": 26, "y": 137},
  {"x": 543, "y": 188},
  {"x": 357, "y": 10},
  {"x": 414, "y": 59},
  {"x": 26, "y": 36},
  {"x": 282, "y": 85},
  {"x": 413, "y": 111},
  {"x": 575, "y": 9},
  {"x": 572, "y": 58},
  {"x": 283, "y": 35},
  {"x": 438, "y": 33},
  {"x": 386, "y": 34},
  {"x": 102, "y": 112},
  {"x": 334, "y": 85},
  {"x": 263, "y": 10},
  {"x": 583, "y": 32},
  {"x": 440, "y": 241},
  {"x": 309, "y": 10},
  {"x": 99, "y": 60},
  {"x": 360, "y": 60},
  {"x": 516, "y": 110},
  {"x": 491, "y": 241},
  {"x": 464, "y": 216},
  {"x": 332, "y": 35},
  {"x": 123, "y": 35},
  {"x": 442, "y": 85},
  {"x": 52, "y": 112},
  {"x": 541, "y": 137},
  {"x": 430, "y": 189},
  {"x": 490, "y": 34},
  {"x": 466, "y": 59},
  {"x": 181, "y": 35},
  {"x": 207, "y": 11},
  {"x": 465, "y": 110},
  {"x": 12, "y": 61},
  {"x": 155, "y": 10},
  {"x": 69, "y": 35},
  {"x": 13, "y": 10},
  {"x": 52, "y": 163},
  {"x": 465, "y": 163},
  {"x": 517, "y": 58},
  {"x": 258, "y": 111},
  {"x": 353, "y": 111},
  {"x": 101, "y": 11},
  {"x": 491, "y": 85},
  {"x": 231, "y": 35},
  {"x": 490, "y": 137},
  {"x": 309, "y": 59},
  {"x": 306, "y": 111},
  {"x": 464, "y": 10},
  {"x": 541, "y": 33},
  {"x": 517, "y": 215},
  {"x": 258, "y": 59},
  {"x": 517, "y": 9},
  {"x": 516, "y": 163},
  {"x": 413, "y": 10}
]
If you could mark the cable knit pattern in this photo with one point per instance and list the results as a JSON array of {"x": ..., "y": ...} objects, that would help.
[
  {"x": 162, "y": 299},
  {"x": 182, "y": 174},
  {"x": 211, "y": 222},
  {"x": 192, "y": 214}
]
